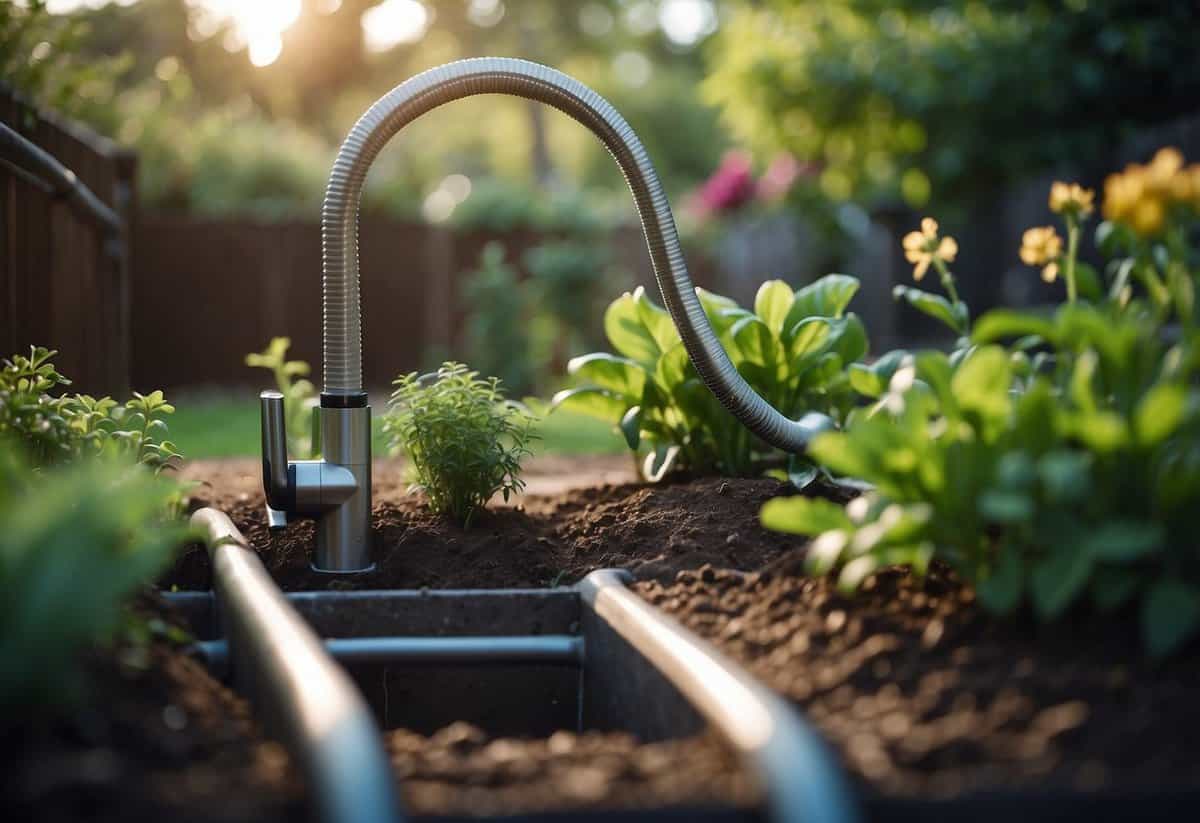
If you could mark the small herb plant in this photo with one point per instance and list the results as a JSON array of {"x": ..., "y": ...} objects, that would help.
[
  {"x": 77, "y": 542},
  {"x": 464, "y": 439},
  {"x": 57, "y": 428},
  {"x": 1061, "y": 467},
  {"x": 793, "y": 349},
  {"x": 299, "y": 394}
]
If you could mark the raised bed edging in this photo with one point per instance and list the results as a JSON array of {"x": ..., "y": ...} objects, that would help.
[{"x": 305, "y": 699}]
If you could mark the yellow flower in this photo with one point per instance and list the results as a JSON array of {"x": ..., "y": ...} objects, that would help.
[
  {"x": 1122, "y": 191},
  {"x": 1148, "y": 216},
  {"x": 1041, "y": 246},
  {"x": 1165, "y": 165},
  {"x": 1071, "y": 199},
  {"x": 922, "y": 248}
]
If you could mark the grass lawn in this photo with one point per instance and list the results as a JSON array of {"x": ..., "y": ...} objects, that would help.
[{"x": 226, "y": 426}]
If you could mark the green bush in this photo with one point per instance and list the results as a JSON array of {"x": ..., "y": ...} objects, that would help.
[
  {"x": 793, "y": 350},
  {"x": 77, "y": 542},
  {"x": 499, "y": 337},
  {"x": 1061, "y": 468},
  {"x": 53, "y": 429},
  {"x": 465, "y": 441}
]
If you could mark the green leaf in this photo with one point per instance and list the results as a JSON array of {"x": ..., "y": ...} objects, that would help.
[
  {"x": 631, "y": 427},
  {"x": 849, "y": 338},
  {"x": 1102, "y": 432},
  {"x": 872, "y": 380},
  {"x": 1001, "y": 591},
  {"x": 599, "y": 403},
  {"x": 1058, "y": 580},
  {"x": 1124, "y": 540},
  {"x": 1006, "y": 506},
  {"x": 1002, "y": 324},
  {"x": 628, "y": 334},
  {"x": 755, "y": 341},
  {"x": 809, "y": 336},
  {"x": 608, "y": 371},
  {"x": 827, "y": 296},
  {"x": 1066, "y": 476},
  {"x": 933, "y": 305},
  {"x": 1160, "y": 413},
  {"x": 982, "y": 383},
  {"x": 1171, "y": 615},
  {"x": 801, "y": 471},
  {"x": 719, "y": 309},
  {"x": 656, "y": 319},
  {"x": 772, "y": 304},
  {"x": 803, "y": 515}
]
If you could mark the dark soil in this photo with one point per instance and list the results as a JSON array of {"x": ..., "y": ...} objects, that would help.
[
  {"x": 459, "y": 770},
  {"x": 552, "y": 538},
  {"x": 158, "y": 741},
  {"x": 922, "y": 694}
]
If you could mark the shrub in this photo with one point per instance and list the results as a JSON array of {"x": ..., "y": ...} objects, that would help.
[
  {"x": 499, "y": 338},
  {"x": 77, "y": 542},
  {"x": 1063, "y": 466},
  {"x": 792, "y": 349},
  {"x": 53, "y": 429},
  {"x": 465, "y": 441},
  {"x": 299, "y": 395}
]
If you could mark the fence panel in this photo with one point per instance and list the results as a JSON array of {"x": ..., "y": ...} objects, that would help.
[{"x": 64, "y": 283}]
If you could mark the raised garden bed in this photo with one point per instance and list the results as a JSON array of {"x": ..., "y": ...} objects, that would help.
[
  {"x": 939, "y": 710},
  {"x": 161, "y": 739}
]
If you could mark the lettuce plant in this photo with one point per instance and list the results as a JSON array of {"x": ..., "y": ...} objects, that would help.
[
  {"x": 1061, "y": 468},
  {"x": 299, "y": 395},
  {"x": 77, "y": 542},
  {"x": 464, "y": 440},
  {"x": 793, "y": 349},
  {"x": 57, "y": 428}
]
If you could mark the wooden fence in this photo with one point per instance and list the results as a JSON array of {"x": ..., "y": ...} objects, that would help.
[
  {"x": 64, "y": 279},
  {"x": 207, "y": 291}
]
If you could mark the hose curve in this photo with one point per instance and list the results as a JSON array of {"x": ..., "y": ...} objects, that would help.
[{"x": 521, "y": 78}]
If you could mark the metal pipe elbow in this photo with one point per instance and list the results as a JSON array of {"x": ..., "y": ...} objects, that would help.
[{"x": 520, "y": 78}]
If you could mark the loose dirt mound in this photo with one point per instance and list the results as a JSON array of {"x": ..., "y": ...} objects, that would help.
[
  {"x": 461, "y": 770},
  {"x": 924, "y": 694}
]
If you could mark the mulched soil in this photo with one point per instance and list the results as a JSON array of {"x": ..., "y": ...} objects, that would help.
[
  {"x": 923, "y": 695},
  {"x": 153, "y": 742},
  {"x": 551, "y": 537},
  {"x": 460, "y": 770}
]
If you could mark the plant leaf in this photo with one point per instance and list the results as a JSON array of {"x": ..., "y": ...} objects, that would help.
[
  {"x": 1160, "y": 413},
  {"x": 628, "y": 334},
  {"x": 933, "y": 305},
  {"x": 804, "y": 515},
  {"x": 1170, "y": 616},
  {"x": 608, "y": 371}
]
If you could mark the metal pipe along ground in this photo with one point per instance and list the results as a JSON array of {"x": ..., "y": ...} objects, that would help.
[
  {"x": 520, "y": 78},
  {"x": 801, "y": 778},
  {"x": 304, "y": 698}
]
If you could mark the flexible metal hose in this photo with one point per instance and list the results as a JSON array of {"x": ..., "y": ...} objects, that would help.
[{"x": 520, "y": 78}]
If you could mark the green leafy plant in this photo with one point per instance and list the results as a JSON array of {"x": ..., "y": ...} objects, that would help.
[
  {"x": 499, "y": 338},
  {"x": 77, "y": 542},
  {"x": 1062, "y": 467},
  {"x": 54, "y": 429},
  {"x": 299, "y": 394},
  {"x": 465, "y": 441},
  {"x": 793, "y": 349}
]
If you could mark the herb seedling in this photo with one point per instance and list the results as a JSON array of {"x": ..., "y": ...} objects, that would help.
[
  {"x": 465, "y": 441},
  {"x": 299, "y": 394}
]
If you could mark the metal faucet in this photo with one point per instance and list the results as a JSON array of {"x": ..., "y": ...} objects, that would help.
[
  {"x": 335, "y": 489},
  {"x": 324, "y": 488}
]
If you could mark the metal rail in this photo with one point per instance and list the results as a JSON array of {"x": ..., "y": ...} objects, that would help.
[
  {"x": 31, "y": 161},
  {"x": 800, "y": 776},
  {"x": 305, "y": 698},
  {"x": 551, "y": 648}
]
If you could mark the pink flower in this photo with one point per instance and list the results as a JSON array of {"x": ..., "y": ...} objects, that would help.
[
  {"x": 731, "y": 185},
  {"x": 779, "y": 177}
]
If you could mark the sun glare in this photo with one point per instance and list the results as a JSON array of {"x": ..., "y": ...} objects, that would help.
[
  {"x": 257, "y": 26},
  {"x": 393, "y": 22}
]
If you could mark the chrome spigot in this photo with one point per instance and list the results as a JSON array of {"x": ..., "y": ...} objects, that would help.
[{"x": 335, "y": 490}]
